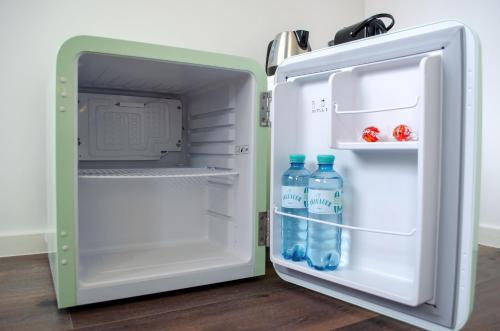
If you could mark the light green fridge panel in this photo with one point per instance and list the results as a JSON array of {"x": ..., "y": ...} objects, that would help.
[{"x": 62, "y": 151}]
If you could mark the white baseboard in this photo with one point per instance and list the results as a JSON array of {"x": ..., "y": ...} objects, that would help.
[
  {"x": 23, "y": 244},
  {"x": 489, "y": 235}
]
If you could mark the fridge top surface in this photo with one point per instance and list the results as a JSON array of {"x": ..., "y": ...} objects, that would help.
[
  {"x": 460, "y": 51},
  {"x": 394, "y": 44}
]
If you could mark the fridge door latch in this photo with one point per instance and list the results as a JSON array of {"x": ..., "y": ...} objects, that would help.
[
  {"x": 265, "y": 108},
  {"x": 264, "y": 228}
]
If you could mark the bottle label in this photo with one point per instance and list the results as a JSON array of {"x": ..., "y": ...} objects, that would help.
[
  {"x": 325, "y": 202},
  {"x": 294, "y": 196}
]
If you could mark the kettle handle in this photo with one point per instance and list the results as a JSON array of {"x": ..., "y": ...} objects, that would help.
[
  {"x": 302, "y": 38},
  {"x": 362, "y": 25},
  {"x": 267, "y": 54}
]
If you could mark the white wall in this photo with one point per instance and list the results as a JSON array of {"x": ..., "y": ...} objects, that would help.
[
  {"x": 480, "y": 16},
  {"x": 31, "y": 31}
]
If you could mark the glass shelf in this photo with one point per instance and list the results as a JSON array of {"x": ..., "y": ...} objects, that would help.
[{"x": 154, "y": 173}]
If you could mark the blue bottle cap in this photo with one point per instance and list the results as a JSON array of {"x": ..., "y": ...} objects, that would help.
[
  {"x": 326, "y": 159},
  {"x": 297, "y": 158}
]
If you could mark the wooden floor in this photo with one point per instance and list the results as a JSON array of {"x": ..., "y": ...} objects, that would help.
[{"x": 27, "y": 302}]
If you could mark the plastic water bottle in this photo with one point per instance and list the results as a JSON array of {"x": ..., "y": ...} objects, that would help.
[
  {"x": 294, "y": 201},
  {"x": 324, "y": 203}
]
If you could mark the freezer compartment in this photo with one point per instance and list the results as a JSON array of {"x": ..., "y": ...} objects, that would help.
[
  {"x": 384, "y": 95},
  {"x": 391, "y": 199},
  {"x": 165, "y": 176}
]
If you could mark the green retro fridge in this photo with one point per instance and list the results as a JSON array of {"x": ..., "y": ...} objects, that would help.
[{"x": 165, "y": 169}]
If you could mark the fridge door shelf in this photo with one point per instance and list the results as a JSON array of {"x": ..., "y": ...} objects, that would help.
[
  {"x": 385, "y": 94},
  {"x": 384, "y": 285},
  {"x": 344, "y": 226},
  {"x": 155, "y": 173},
  {"x": 379, "y": 145},
  {"x": 380, "y": 86},
  {"x": 400, "y": 284},
  {"x": 357, "y": 111}
]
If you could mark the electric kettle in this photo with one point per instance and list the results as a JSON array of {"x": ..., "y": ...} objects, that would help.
[
  {"x": 286, "y": 44},
  {"x": 369, "y": 27}
]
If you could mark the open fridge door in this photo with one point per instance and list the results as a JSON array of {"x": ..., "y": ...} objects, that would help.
[{"x": 408, "y": 247}]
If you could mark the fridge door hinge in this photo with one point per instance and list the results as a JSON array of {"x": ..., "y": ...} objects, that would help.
[
  {"x": 264, "y": 228},
  {"x": 265, "y": 108}
]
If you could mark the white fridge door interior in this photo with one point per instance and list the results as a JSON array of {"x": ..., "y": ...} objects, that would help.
[{"x": 408, "y": 232}]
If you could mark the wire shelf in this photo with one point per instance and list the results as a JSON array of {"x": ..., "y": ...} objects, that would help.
[
  {"x": 154, "y": 173},
  {"x": 343, "y": 226}
]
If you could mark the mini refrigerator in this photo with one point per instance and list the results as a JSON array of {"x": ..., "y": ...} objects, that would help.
[{"x": 165, "y": 165}]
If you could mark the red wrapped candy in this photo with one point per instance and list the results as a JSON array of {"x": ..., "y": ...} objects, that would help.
[
  {"x": 402, "y": 133},
  {"x": 371, "y": 134}
]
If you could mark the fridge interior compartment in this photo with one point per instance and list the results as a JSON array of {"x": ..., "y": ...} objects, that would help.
[
  {"x": 142, "y": 227},
  {"x": 395, "y": 192},
  {"x": 384, "y": 95},
  {"x": 165, "y": 201}
]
